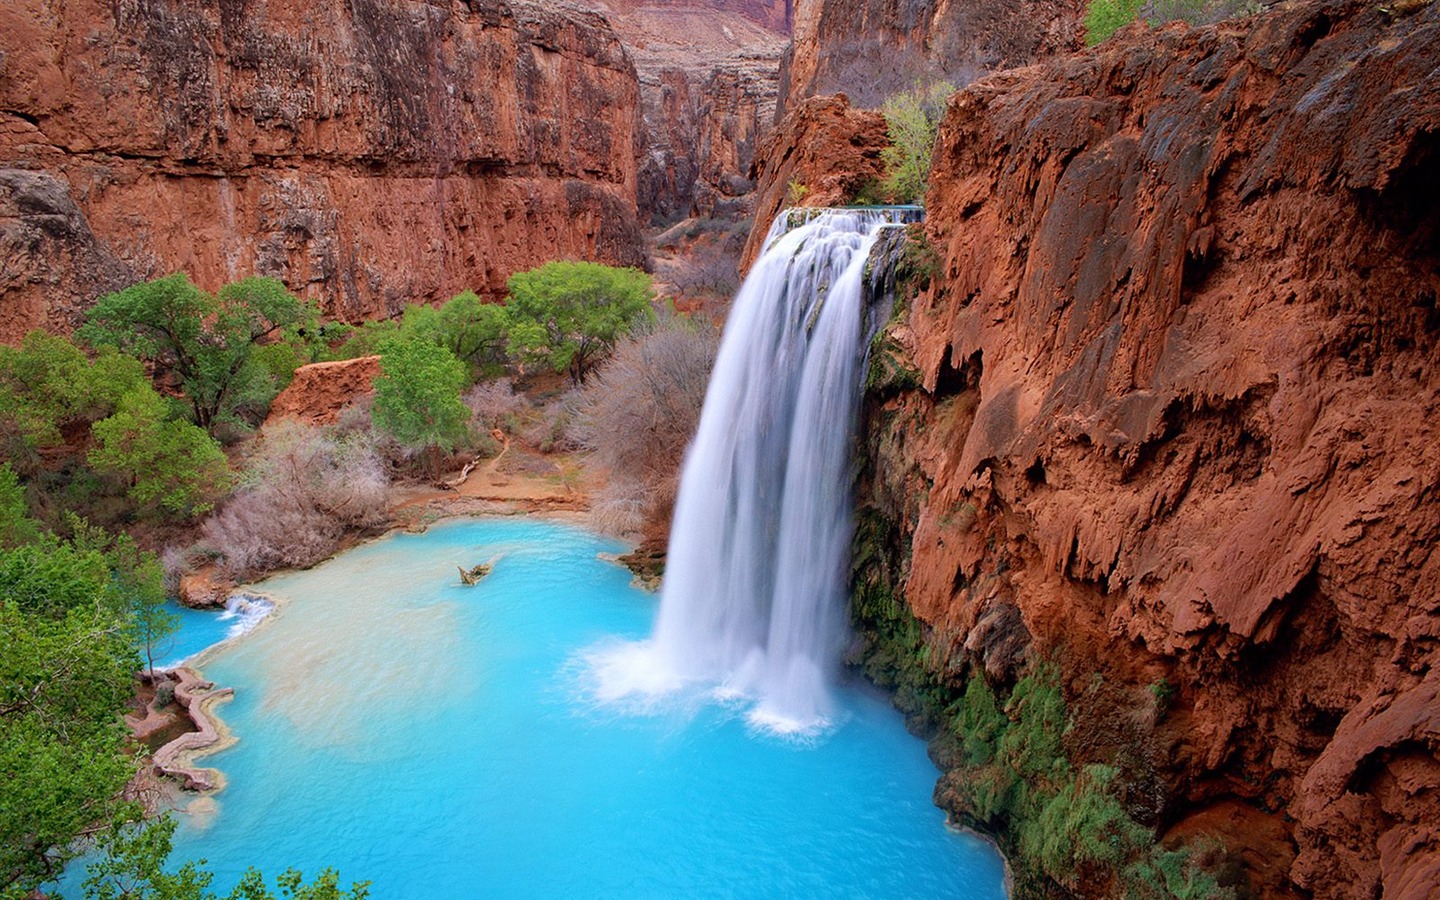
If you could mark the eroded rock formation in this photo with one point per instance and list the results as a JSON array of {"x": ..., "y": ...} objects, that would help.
[
  {"x": 1174, "y": 424},
  {"x": 709, "y": 79},
  {"x": 869, "y": 49},
  {"x": 370, "y": 154},
  {"x": 319, "y": 391},
  {"x": 821, "y": 154}
]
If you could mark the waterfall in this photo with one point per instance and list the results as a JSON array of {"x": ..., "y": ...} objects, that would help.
[{"x": 754, "y": 590}]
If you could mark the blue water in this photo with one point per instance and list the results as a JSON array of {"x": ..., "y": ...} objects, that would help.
[
  {"x": 200, "y": 629},
  {"x": 445, "y": 742}
]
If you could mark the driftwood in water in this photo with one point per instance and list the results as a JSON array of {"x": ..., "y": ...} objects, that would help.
[{"x": 474, "y": 574}]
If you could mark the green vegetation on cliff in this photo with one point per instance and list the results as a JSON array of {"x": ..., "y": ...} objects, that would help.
[{"x": 1008, "y": 771}]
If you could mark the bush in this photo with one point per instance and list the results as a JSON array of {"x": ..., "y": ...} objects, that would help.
[
  {"x": 912, "y": 121},
  {"x": 639, "y": 412},
  {"x": 465, "y": 325},
  {"x": 209, "y": 341},
  {"x": 304, "y": 490},
  {"x": 1105, "y": 17},
  {"x": 493, "y": 404},
  {"x": 417, "y": 397}
]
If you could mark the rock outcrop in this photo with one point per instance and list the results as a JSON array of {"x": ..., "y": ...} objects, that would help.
[
  {"x": 821, "y": 154},
  {"x": 369, "y": 154},
  {"x": 1172, "y": 424},
  {"x": 319, "y": 391},
  {"x": 869, "y": 49}
]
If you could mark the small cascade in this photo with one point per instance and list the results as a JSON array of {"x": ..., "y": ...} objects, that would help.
[
  {"x": 754, "y": 593},
  {"x": 244, "y": 612}
]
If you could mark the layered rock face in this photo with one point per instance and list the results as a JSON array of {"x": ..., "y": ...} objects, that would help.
[
  {"x": 1174, "y": 423},
  {"x": 709, "y": 79},
  {"x": 869, "y": 49},
  {"x": 370, "y": 154},
  {"x": 821, "y": 154}
]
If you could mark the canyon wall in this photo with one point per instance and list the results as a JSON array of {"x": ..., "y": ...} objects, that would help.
[
  {"x": 869, "y": 49},
  {"x": 369, "y": 153},
  {"x": 1163, "y": 413},
  {"x": 709, "y": 79}
]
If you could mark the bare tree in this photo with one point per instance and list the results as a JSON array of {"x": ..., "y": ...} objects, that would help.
[{"x": 639, "y": 412}]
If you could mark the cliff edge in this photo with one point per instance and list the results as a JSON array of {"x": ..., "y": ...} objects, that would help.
[{"x": 1163, "y": 413}]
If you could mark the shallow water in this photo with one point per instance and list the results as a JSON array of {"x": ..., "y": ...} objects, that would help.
[{"x": 447, "y": 742}]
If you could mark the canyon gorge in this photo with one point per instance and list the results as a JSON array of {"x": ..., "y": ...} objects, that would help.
[{"x": 1155, "y": 412}]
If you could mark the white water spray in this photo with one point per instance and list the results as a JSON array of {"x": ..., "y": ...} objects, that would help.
[{"x": 754, "y": 593}]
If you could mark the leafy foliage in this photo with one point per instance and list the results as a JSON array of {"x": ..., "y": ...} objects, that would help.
[
  {"x": 71, "y": 616},
  {"x": 567, "y": 315},
  {"x": 1105, "y": 17},
  {"x": 132, "y": 867},
  {"x": 46, "y": 385},
  {"x": 471, "y": 329},
  {"x": 1061, "y": 820},
  {"x": 912, "y": 120},
  {"x": 209, "y": 342},
  {"x": 417, "y": 396},
  {"x": 66, "y": 659},
  {"x": 170, "y": 467}
]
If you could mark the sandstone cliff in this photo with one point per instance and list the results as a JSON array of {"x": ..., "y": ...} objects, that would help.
[
  {"x": 709, "y": 78},
  {"x": 1172, "y": 424},
  {"x": 369, "y": 153},
  {"x": 821, "y": 154},
  {"x": 869, "y": 49}
]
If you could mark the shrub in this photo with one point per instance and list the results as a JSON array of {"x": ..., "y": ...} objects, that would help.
[
  {"x": 208, "y": 341},
  {"x": 493, "y": 404},
  {"x": 417, "y": 397},
  {"x": 171, "y": 468},
  {"x": 304, "y": 490},
  {"x": 640, "y": 411},
  {"x": 912, "y": 120},
  {"x": 1105, "y": 17},
  {"x": 465, "y": 325},
  {"x": 795, "y": 193}
]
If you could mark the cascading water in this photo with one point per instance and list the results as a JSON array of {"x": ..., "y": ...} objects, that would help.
[{"x": 754, "y": 584}]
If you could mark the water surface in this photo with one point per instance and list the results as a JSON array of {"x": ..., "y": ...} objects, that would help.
[{"x": 446, "y": 742}]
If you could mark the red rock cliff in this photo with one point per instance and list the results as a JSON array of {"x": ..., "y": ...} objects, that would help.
[
  {"x": 368, "y": 153},
  {"x": 869, "y": 49},
  {"x": 709, "y": 78},
  {"x": 1178, "y": 412}
]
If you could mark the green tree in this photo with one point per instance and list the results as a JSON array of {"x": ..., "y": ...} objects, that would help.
[
  {"x": 208, "y": 341},
  {"x": 569, "y": 315},
  {"x": 133, "y": 867},
  {"x": 473, "y": 330},
  {"x": 70, "y": 616},
  {"x": 65, "y": 673},
  {"x": 169, "y": 467},
  {"x": 417, "y": 396},
  {"x": 48, "y": 384},
  {"x": 912, "y": 120}
]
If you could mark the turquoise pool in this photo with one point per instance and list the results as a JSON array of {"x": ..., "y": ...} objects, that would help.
[{"x": 445, "y": 741}]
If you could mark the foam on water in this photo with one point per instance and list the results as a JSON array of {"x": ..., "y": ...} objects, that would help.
[
  {"x": 201, "y": 629},
  {"x": 449, "y": 742}
]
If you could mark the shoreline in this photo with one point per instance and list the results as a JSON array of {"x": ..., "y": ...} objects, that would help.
[{"x": 198, "y": 697}]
